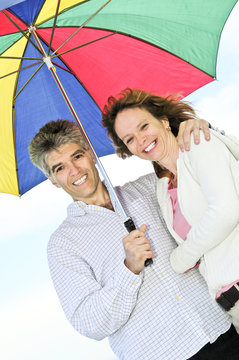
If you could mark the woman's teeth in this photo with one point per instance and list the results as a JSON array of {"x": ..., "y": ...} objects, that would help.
[{"x": 150, "y": 147}]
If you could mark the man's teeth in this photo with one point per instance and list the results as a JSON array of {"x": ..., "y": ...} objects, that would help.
[
  {"x": 150, "y": 147},
  {"x": 80, "y": 181}
]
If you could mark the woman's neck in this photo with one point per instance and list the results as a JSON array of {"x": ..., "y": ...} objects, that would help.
[{"x": 170, "y": 159}]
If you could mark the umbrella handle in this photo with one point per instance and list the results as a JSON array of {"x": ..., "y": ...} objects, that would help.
[{"x": 129, "y": 224}]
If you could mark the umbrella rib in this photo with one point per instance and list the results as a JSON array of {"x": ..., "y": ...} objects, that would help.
[
  {"x": 75, "y": 32},
  {"x": 90, "y": 42},
  {"x": 22, "y": 32},
  {"x": 28, "y": 80},
  {"x": 24, "y": 68},
  {"x": 19, "y": 58},
  {"x": 54, "y": 26},
  {"x": 61, "y": 67}
]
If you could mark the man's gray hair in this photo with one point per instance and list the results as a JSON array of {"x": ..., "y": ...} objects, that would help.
[{"x": 50, "y": 137}]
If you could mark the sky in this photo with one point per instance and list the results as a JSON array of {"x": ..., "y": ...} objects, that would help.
[{"x": 33, "y": 325}]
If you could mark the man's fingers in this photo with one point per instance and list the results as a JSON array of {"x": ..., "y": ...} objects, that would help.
[
  {"x": 184, "y": 139},
  {"x": 196, "y": 136},
  {"x": 184, "y": 134},
  {"x": 204, "y": 126},
  {"x": 143, "y": 228},
  {"x": 187, "y": 127}
]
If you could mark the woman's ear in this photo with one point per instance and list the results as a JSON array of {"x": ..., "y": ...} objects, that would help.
[{"x": 165, "y": 123}]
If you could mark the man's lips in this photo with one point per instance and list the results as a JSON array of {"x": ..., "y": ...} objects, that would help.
[
  {"x": 81, "y": 180},
  {"x": 150, "y": 146}
]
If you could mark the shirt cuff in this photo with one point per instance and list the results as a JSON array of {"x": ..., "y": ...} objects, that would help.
[{"x": 126, "y": 279}]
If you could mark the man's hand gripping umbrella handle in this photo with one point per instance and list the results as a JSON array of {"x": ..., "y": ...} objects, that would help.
[{"x": 129, "y": 224}]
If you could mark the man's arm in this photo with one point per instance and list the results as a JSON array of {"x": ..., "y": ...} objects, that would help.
[
  {"x": 189, "y": 126},
  {"x": 93, "y": 308}
]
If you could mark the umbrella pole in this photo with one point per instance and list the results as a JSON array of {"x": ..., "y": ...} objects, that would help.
[
  {"x": 99, "y": 164},
  {"x": 127, "y": 220}
]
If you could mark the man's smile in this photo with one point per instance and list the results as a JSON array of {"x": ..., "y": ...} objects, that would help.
[{"x": 81, "y": 180}]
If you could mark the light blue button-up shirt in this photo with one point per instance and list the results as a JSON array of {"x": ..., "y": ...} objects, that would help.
[{"x": 156, "y": 315}]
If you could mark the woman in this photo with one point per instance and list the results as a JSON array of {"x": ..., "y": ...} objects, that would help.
[{"x": 198, "y": 191}]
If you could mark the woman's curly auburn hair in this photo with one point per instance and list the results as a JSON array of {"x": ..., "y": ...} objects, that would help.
[{"x": 175, "y": 110}]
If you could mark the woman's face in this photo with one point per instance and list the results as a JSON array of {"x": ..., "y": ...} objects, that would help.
[{"x": 143, "y": 134}]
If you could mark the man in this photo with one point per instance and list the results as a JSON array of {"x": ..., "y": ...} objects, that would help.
[{"x": 98, "y": 269}]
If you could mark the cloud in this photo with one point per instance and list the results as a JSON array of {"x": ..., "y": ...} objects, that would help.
[
  {"x": 42, "y": 206},
  {"x": 228, "y": 38},
  {"x": 222, "y": 109},
  {"x": 34, "y": 327}
]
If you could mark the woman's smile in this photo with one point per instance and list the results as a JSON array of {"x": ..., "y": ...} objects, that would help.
[{"x": 151, "y": 146}]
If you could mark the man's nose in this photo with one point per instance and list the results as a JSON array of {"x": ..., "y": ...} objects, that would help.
[{"x": 73, "y": 169}]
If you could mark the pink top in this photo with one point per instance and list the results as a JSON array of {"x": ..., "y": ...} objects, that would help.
[
  {"x": 180, "y": 224},
  {"x": 182, "y": 227}
]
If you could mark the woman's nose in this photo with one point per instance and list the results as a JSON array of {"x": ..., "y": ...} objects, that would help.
[{"x": 141, "y": 139}]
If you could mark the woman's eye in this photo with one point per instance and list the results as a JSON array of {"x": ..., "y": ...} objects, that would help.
[{"x": 129, "y": 140}]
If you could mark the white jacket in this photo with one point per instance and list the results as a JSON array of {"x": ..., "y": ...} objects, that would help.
[{"x": 208, "y": 195}]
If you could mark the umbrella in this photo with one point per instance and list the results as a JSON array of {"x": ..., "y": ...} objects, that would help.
[
  {"x": 97, "y": 48},
  {"x": 94, "y": 49},
  {"x": 161, "y": 46}
]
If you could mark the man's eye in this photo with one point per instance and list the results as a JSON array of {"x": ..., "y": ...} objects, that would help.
[
  {"x": 144, "y": 126},
  {"x": 59, "y": 169},
  {"x": 78, "y": 156}
]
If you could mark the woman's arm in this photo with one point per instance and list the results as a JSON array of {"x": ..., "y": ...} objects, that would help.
[{"x": 211, "y": 165}]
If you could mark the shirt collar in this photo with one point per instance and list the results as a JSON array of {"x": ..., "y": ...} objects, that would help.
[{"x": 80, "y": 208}]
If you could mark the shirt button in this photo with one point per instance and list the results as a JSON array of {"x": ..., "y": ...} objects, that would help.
[
  {"x": 135, "y": 283},
  {"x": 162, "y": 274},
  {"x": 177, "y": 297}
]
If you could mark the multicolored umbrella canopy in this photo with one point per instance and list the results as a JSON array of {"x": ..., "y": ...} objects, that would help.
[{"x": 98, "y": 48}]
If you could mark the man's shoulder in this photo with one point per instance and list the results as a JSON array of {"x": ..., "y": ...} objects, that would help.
[
  {"x": 144, "y": 185},
  {"x": 69, "y": 224}
]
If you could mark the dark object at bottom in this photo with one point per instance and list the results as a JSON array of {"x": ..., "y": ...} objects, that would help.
[
  {"x": 228, "y": 298},
  {"x": 226, "y": 347}
]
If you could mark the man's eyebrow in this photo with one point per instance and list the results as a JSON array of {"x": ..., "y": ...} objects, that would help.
[{"x": 78, "y": 151}]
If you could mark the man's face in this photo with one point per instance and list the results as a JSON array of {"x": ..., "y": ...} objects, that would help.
[{"x": 73, "y": 169}]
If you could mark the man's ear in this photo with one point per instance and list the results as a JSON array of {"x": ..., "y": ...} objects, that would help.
[{"x": 54, "y": 182}]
